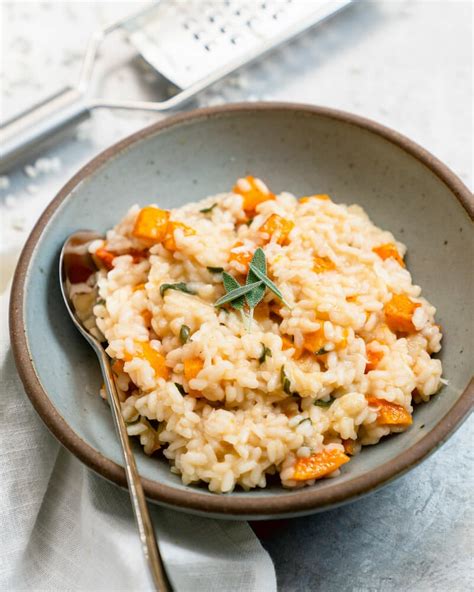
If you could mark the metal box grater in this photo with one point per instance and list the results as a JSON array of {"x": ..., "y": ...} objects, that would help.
[
  {"x": 191, "y": 43},
  {"x": 201, "y": 40}
]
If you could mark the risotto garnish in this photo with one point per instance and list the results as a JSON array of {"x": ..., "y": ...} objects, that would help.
[{"x": 256, "y": 334}]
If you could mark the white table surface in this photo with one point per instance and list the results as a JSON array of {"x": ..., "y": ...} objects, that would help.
[{"x": 407, "y": 64}]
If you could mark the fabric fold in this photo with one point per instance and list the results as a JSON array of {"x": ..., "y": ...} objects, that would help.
[{"x": 65, "y": 528}]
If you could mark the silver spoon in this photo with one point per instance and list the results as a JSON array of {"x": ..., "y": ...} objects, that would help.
[{"x": 77, "y": 267}]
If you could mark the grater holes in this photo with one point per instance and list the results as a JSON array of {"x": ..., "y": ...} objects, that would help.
[{"x": 189, "y": 24}]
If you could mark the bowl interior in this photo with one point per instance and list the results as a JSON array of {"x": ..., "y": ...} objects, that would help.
[{"x": 296, "y": 150}]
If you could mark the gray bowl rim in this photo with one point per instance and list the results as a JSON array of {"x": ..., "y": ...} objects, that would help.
[{"x": 305, "y": 500}]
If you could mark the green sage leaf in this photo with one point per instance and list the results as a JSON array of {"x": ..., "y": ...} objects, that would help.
[
  {"x": 321, "y": 403},
  {"x": 180, "y": 388},
  {"x": 209, "y": 209},
  {"x": 259, "y": 260},
  {"x": 257, "y": 294},
  {"x": 266, "y": 352},
  {"x": 184, "y": 334},
  {"x": 285, "y": 381},
  {"x": 236, "y": 293},
  {"x": 180, "y": 287},
  {"x": 230, "y": 283},
  {"x": 268, "y": 282}
]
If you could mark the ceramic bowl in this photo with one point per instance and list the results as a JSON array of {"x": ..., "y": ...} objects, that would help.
[{"x": 293, "y": 147}]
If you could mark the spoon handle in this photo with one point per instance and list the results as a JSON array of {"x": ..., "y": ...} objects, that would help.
[{"x": 139, "y": 504}]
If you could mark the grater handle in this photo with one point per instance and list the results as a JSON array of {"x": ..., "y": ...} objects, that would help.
[{"x": 21, "y": 136}]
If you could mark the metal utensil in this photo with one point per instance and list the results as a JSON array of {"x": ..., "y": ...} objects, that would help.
[
  {"x": 77, "y": 276},
  {"x": 192, "y": 44}
]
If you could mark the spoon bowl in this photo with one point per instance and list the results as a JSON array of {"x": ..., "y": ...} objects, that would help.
[
  {"x": 76, "y": 268},
  {"x": 77, "y": 275}
]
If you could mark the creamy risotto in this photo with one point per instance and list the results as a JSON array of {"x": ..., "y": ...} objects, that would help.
[{"x": 255, "y": 334}]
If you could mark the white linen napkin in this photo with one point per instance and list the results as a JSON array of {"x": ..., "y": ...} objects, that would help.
[{"x": 64, "y": 528}]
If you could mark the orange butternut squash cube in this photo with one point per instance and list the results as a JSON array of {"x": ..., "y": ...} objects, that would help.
[
  {"x": 276, "y": 225},
  {"x": 390, "y": 413},
  {"x": 240, "y": 254},
  {"x": 254, "y": 192},
  {"x": 399, "y": 312},
  {"x": 169, "y": 242},
  {"x": 145, "y": 351},
  {"x": 314, "y": 342},
  {"x": 192, "y": 367},
  {"x": 147, "y": 317},
  {"x": 343, "y": 343},
  {"x": 373, "y": 358},
  {"x": 322, "y": 264},
  {"x": 319, "y": 465},
  {"x": 287, "y": 343},
  {"x": 105, "y": 258},
  {"x": 151, "y": 224},
  {"x": 117, "y": 366},
  {"x": 388, "y": 251}
]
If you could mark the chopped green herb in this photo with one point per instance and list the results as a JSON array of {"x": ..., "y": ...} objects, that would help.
[
  {"x": 321, "y": 403},
  {"x": 258, "y": 267},
  {"x": 266, "y": 352},
  {"x": 320, "y": 352},
  {"x": 236, "y": 294},
  {"x": 305, "y": 419},
  {"x": 180, "y": 388},
  {"x": 184, "y": 334},
  {"x": 254, "y": 289},
  {"x": 215, "y": 269},
  {"x": 230, "y": 283},
  {"x": 256, "y": 295},
  {"x": 209, "y": 209},
  {"x": 180, "y": 286},
  {"x": 249, "y": 221},
  {"x": 285, "y": 381}
]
